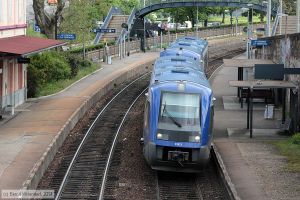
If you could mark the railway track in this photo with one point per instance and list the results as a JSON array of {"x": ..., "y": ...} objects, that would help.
[
  {"x": 205, "y": 185},
  {"x": 86, "y": 175}
]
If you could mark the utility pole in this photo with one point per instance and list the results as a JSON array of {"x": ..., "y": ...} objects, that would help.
[
  {"x": 280, "y": 20},
  {"x": 144, "y": 29},
  {"x": 298, "y": 16},
  {"x": 269, "y": 17},
  {"x": 197, "y": 22}
]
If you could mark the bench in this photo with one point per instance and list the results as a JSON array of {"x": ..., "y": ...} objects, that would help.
[{"x": 266, "y": 94}]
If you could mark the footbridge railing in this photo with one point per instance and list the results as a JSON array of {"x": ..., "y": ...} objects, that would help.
[{"x": 148, "y": 6}]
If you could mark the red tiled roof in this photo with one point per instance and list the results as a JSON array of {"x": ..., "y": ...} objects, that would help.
[{"x": 25, "y": 45}]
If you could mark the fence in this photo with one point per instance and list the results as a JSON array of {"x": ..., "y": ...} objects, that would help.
[{"x": 159, "y": 42}]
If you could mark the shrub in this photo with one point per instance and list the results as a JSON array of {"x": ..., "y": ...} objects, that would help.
[
  {"x": 85, "y": 63},
  {"x": 46, "y": 67},
  {"x": 296, "y": 139},
  {"x": 74, "y": 61}
]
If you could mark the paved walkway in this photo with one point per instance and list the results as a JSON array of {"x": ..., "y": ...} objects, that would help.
[
  {"x": 25, "y": 138},
  {"x": 248, "y": 164}
]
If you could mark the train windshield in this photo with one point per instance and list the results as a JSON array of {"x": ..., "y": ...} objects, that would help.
[{"x": 179, "y": 117}]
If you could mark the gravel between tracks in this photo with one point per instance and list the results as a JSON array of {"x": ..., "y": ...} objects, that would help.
[
  {"x": 269, "y": 166},
  {"x": 136, "y": 179}
]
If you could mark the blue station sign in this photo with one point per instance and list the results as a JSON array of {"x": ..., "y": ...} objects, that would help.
[
  {"x": 104, "y": 30},
  {"x": 260, "y": 43},
  {"x": 66, "y": 36}
]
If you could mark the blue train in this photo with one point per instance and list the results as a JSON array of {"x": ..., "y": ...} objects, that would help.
[{"x": 178, "y": 117}]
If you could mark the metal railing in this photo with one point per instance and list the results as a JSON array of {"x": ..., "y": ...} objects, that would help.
[
  {"x": 145, "y": 3},
  {"x": 154, "y": 43},
  {"x": 129, "y": 23},
  {"x": 112, "y": 11}
]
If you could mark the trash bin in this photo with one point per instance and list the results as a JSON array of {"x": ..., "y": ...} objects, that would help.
[
  {"x": 109, "y": 60},
  {"x": 269, "y": 111}
]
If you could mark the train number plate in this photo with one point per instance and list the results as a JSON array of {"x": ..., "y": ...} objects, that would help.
[{"x": 178, "y": 156}]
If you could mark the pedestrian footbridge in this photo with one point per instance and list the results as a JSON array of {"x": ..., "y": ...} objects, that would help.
[{"x": 148, "y": 6}]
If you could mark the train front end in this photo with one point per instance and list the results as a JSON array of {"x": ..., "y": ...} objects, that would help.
[{"x": 178, "y": 126}]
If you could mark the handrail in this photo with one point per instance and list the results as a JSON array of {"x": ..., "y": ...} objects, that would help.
[
  {"x": 129, "y": 23},
  {"x": 112, "y": 10}
]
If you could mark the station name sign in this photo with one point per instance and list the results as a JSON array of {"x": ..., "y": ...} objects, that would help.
[
  {"x": 260, "y": 43},
  {"x": 66, "y": 36}
]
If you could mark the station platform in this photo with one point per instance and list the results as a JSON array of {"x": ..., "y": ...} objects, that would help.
[
  {"x": 29, "y": 140},
  {"x": 253, "y": 166}
]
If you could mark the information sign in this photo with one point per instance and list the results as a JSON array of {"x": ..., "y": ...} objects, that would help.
[{"x": 66, "y": 36}]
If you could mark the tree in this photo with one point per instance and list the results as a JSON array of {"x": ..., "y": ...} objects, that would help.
[{"x": 46, "y": 21}]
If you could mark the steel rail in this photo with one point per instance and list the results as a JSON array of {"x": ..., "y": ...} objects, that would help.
[
  {"x": 102, "y": 190},
  {"x": 86, "y": 136}
]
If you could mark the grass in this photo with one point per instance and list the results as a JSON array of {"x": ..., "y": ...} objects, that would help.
[
  {"x": 241, "y": 19},
  {"x": 291, "y": 149},
  {"x": 54, "y": 87},
  {"x": 32, "y": 33}
]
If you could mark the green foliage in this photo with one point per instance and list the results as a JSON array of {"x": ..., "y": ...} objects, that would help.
[
  {"x": 296, "y": 139},
  {"x": 56, "y": 86},
  {"x": 291, "y": 149},
  {"x": 92, "y": 47},
  {"x": 46, "y": 67},
  {"x": 74, "y": 61},
  {"x": 30, "y": 32},
  {"x": 50, "y": 69}
]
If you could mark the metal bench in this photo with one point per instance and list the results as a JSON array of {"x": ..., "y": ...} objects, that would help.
[{"x": 266, "y": 94}]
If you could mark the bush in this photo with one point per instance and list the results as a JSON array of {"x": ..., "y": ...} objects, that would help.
[
  {"x": 85, "y": 63},
  {"x": 296, "y": 139},
  {"x": 74, "y": 61}
]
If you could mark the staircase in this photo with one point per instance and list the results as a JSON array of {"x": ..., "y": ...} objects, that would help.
[
  {"x": 115, "y": 23},
  {"x": 288, "y": 25}
]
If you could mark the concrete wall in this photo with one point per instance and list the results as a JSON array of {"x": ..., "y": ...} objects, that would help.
[{"x": 285, "y": 49}]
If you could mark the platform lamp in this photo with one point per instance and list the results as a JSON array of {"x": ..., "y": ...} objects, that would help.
[
  {"x": 298, "y": 16},
  {"x": 248, "y": 43},
  {"x": 250, "y": 19}
]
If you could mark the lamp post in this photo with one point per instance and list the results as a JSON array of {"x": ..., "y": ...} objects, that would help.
[
  {"x": 269, "y": 4},
  {"x": 280, "y": 12},
  {"x": 247, "y": 44},
  {"x": 250, "y": 20},
  {"x": 144, "y": 42}
]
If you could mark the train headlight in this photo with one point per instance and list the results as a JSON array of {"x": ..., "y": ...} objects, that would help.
[
  {"x": 197, "y": 138},
  {"x": 159, "y": 136}
]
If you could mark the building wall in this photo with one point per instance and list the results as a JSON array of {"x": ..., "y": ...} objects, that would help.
[
  {"x": 12, "y": 79},
  {"x": 13, "y": 83},
  {"x": 12, "y": 18}
]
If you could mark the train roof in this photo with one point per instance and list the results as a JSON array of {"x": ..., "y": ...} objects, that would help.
[
  {"x": 175, "y": 59},
  {"x": 181, "y": 52},
  {"x": 185, "y": 45},
  {"x": 184, "y": 74},
  {"x": 193, "y": 40},
  {"x": 176, "y": 66}
]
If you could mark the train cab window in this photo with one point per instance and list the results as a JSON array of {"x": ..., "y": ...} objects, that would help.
[{"x": 179, "y": 118}]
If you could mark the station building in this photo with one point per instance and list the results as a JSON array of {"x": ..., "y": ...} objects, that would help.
[{"x": 15, "y": 47}]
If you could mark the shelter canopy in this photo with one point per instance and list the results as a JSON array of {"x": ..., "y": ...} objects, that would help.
[{"x": 25, "y": 45}]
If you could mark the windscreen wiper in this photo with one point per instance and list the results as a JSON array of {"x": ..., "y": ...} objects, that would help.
[{"x": 171, "y": 117}]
